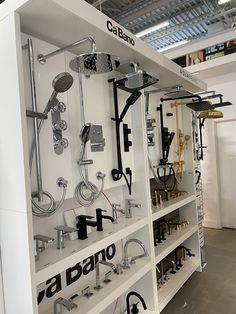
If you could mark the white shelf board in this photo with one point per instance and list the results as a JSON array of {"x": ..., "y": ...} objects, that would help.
[
  {"x": 171, "y": 287},
  {"x": 173, "y": 241},
  {"x": 171, "y": 205},
  {"x": 53, "y": 261},
  {"x": 101, "y": 299}
]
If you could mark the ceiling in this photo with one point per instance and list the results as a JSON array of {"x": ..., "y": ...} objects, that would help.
[{"x": 188, "y": 19}]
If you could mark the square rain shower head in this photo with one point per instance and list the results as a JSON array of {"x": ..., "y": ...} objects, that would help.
[{"x": 200, "y": 106}]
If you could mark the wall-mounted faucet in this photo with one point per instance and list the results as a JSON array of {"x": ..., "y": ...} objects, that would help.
[
  {"x": 115, "y": 209},
  {"x": 68, "y": 304},
  {"x": 39, "y": 248},
  {"x": 82, "y": 225},
  {"x": 134, "y": 258},
  {"x": 62, "y": 232},
  {"x": 100, "y": 217},
  {"x": 98, "y": 279},
  {"x": 128, "y": 206}
]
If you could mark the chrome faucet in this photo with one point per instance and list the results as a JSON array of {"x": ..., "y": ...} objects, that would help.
[
  {"x": 98, "y": 280},
  {"x": 68, "y": 304},
  {"x": 173, "y": 265},
  {"x": 62, "y": 232},
  {"x": 43, "y": 239},
  {"x": 134, "y": 258},
  {"x": 128, "y": 206},
  {"x": 115, "y": 209}
]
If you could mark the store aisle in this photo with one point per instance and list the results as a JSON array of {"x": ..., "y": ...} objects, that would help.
[{"x": 213, "y": 291}]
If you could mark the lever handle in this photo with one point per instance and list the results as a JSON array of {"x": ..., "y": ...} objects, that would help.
[{"x": 84, "y": 217}]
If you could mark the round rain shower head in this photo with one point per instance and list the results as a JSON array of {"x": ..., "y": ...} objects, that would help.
[
  {"x": 62, "y": 82},
  {"x": 211, "y": 114},
  {"x": 94, "y": 63}
]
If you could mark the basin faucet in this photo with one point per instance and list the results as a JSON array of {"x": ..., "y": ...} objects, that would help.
[
  {"x": 98, "y": 279},
  {"x": 43, "y": 239},
  {"x": 172, "y": 263},
  {"x": 128, "y": 206},
  {"x": 115, "y": 209},
  {"x": 138, "y": 296},
  {"x": 68, "y": 304},
  {"x": 82, "y": 225},
  {"x": 159, "y": 236},
  {"x": 100, "y": 217},
  {"x": 132, "y": 261},
  {"x": 185, "y": 249},
  {"x": 62, "y": 232}
]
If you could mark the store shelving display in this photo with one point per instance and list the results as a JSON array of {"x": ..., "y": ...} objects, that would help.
[
  {"x": 40, "y": 22},
  {"x": 170, "y": 288}
]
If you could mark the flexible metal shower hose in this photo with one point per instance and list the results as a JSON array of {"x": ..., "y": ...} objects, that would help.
[
  {"x": 87, "y": 192},
  {"x": 36, "y": 208}
]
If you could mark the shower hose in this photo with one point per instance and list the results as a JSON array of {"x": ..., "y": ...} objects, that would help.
[
  {"x": 87, "y": 192},
  {"x": 165, "y": 178},
  {"x": 38, "y": 210}
]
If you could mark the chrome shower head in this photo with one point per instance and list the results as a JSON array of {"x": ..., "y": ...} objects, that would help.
[
  {"x": 94, "y": 63},
  {"x": 86, "y": 133},
  {"x": 139, "y": 80},
  {"x": 178, "y": 93},
  {"x": 61, "y": 83}
]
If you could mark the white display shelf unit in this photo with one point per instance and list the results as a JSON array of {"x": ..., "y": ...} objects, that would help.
[
  {"x": 110, "y": 292},
  {"x": 171, "y": 287},
  {"x": 53, "y": 261},
  {"x": 172, "y": 205},
  {"x": 75, "y": 19},
  {"x": 173, "y": 241}
]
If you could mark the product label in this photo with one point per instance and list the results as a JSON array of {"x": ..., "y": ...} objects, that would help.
[
  {"x": 73, "y": 274},
  {"x": 119, "y": 32}
]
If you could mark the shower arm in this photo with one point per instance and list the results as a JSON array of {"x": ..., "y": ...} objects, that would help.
[
  {"x": 43, "y": 58},
  {"x": 182, "y": 97}
]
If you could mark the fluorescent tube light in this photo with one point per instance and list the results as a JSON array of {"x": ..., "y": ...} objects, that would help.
[
  {"x": 180, "y": 43},
  {"x": 153, "y": 29},
  {"x": 223, "y": 1}
]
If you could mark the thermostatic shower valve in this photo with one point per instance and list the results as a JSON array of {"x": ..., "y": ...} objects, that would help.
[{"x": 59, "y": 125}]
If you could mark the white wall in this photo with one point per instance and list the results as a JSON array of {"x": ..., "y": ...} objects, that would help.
[{"x": 210, "y": 177}]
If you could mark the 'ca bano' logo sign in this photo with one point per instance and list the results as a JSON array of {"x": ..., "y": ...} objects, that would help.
[
  {"x": 116, "y": 30},
  {"x": 73, "y": 274}
]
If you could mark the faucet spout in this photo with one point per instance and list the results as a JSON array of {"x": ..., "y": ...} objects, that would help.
[
  {"x": 68, "y": 304},
  {"x": 133, "y": 259},
  {"x": 98, "y": 279},
  {"x": 138, "y": 296}
]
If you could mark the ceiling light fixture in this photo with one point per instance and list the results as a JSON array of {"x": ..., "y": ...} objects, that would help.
[
  {"x": 223, "y": 1},
  {"x": 180, "y": 43},
  {"x": 153, "y": 29}
]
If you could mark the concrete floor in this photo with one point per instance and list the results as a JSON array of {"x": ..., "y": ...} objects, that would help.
[{"x": 214, "y": 290}]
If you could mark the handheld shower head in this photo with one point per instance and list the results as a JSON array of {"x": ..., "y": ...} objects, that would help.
[
  {"x": 94, "y": 63},
  {"x": 61, "y": 83},
  {"x": 86, "y": 132}
]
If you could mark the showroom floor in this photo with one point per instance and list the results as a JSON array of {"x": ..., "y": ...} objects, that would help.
[{"x": 214, "y": 290}]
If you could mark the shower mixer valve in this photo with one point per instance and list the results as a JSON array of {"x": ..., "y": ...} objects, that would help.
[{"x": 59, "y": 125}]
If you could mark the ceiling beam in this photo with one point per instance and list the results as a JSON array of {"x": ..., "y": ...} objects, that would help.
[{"x": 193, "y": 22}]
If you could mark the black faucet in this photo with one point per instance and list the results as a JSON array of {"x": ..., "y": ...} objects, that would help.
[
  {"x": 187, "y": 250},
  {"x": 138, "y": 296},
  {"x": 82, "y": 225},
  {"x": 160, "y": 236},
  {"x": 100, "y": 217}
]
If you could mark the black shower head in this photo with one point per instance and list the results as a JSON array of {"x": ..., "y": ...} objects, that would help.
[
  {"x": 223, "y": 104},
  {"x": 202, "y": 105}
]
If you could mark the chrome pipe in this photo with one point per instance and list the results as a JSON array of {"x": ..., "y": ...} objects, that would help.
[
  {"x": 42, "y": 58},
  {"x": 163, "y": 89},
  {"x": 35, "y": 121}
]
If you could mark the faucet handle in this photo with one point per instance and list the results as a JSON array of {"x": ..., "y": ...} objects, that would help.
[
  {"x": 84, "y": 217},
  {"x": 119, "y": 269},
  {"x": 107, "y": 275},
  {"x": 44, "y": 239},
  {"x": 87, "y": 292},
  {"x": 65, "y": 229}
]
